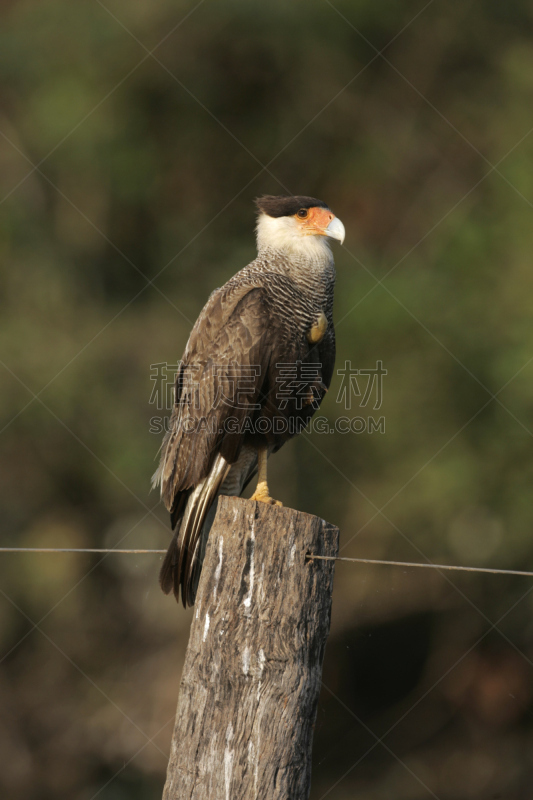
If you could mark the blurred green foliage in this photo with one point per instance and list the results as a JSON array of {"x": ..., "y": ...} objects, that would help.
[{"x": 133, "y": 140}]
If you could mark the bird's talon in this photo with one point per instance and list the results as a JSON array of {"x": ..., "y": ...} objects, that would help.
[{"x": 265, "y": 498}]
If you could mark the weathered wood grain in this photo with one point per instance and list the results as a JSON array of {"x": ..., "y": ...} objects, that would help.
[{"x": 251, "y": 680}]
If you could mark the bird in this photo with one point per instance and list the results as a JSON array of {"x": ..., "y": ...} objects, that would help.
[{"x": 258, "y": 362}]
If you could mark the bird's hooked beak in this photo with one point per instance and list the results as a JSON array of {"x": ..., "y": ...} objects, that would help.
[
  {"x": 335, "y": 230},
  {"x": 319, "y": 221}
]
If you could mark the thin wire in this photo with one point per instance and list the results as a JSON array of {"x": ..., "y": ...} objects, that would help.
[
  {"x": 310, "y": 556},
  {"x": 423, "y": 566},
  {"x": 73, "y": 550}
]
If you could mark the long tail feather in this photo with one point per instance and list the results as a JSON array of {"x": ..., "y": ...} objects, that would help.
[{"x": 181, "y": 564}]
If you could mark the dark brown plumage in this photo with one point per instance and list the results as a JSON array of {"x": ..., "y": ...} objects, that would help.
[{"x": 251, "y": 377}]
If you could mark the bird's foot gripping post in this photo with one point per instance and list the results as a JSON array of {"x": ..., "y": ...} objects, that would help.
[
  {"x": 262, "y": 493},
  {"x": 252, "y": 674}
]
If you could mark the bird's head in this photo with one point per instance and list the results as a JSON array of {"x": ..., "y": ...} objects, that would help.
[{"x": 297, "y": 225}]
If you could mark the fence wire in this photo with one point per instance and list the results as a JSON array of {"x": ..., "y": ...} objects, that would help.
[{"x": 309, "y": 556}]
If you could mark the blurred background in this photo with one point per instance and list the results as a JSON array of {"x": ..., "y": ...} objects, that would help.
[{"x": 133, "y": 139}]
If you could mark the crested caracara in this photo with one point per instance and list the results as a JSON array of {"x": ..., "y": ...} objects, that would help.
[{"x": 255, "y": 369}]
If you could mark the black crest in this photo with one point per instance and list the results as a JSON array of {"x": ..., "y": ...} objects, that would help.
[{"x": 286, "y": 206}]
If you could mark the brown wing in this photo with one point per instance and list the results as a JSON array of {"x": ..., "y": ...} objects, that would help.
[{"x": 219, "y": 382}]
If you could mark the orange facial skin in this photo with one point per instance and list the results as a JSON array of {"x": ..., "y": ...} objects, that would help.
[{"x": 316, "y": 220}]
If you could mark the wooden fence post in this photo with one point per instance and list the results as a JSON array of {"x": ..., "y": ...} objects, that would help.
[{"x": 251, "y": 679}]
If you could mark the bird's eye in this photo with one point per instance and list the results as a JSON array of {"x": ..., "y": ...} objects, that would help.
[{"x": 302, "y": 213}]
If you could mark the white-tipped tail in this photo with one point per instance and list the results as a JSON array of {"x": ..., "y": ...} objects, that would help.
[{"x": 181, "y": 567}]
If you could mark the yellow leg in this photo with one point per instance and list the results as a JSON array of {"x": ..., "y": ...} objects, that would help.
[{"x": 261, "y": 491}]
